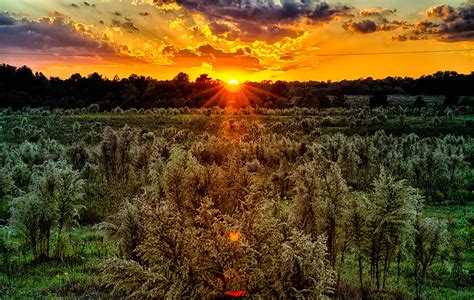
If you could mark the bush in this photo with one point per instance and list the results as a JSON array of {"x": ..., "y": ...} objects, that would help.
[
  {"x": 76, "y": 127},
  {"x": 378, "y": 100},
  {"x": 93, "y": 108},
  {"x": 221, "y": 250},
  {"x": 450, "y": 114},
  {"x": 340, "y": 101},
  {"x": 419, "y": 102},
  {"x": 117, "y": 110}
]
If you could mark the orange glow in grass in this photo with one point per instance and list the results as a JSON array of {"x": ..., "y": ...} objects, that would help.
[
  {"x": 235, "y": 293},
  {"x": 234, "y": 236}
]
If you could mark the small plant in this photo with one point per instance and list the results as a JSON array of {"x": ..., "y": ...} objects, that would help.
[
  {"x": 419, "y": 102},
  {"x": 253, "y": 166},
  {"x": 402, "y": 119},
  {"x": 76, "y": 127},
  {"x": 327, "y": 122},
  {"x": 93, "y": 108},
  {"x": 449, "y": 114},
  {"x": 117, "y": 110}
]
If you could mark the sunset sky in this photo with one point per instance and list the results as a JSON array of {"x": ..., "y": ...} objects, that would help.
[{"x": 238, "y": 39}]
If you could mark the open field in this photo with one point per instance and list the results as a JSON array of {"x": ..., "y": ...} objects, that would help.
[{"x": 129, "y": 160}]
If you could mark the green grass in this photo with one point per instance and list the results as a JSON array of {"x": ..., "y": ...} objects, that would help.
[
  {"x": 53, "y": 279},
  {"x": 61, "y": 127},
  {"x": 76, "y": 275}
]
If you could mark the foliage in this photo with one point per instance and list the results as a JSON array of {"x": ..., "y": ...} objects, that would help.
[
  {"x": 20, "y": 87},
  {"x": 279, "y": 203},
  {"x": 419, "y": 102},
  {"x": 52, "y": 200}
]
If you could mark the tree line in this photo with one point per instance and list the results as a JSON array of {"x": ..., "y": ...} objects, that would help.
[{"x": 20, "y": 87}]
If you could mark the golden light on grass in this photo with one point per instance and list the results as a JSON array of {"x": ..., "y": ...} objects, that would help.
[{"x": 234, "y": 236}]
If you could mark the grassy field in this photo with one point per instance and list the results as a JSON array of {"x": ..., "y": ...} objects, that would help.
[
  {"x": 61, "y": 128},
  {"x": 77, "y": 275}
]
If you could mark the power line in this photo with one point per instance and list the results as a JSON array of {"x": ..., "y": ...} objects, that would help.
[
  {"x": 393, "y": 53},
  {"x": 57, "y": 54},
  {"x": 233, "y": 55}
]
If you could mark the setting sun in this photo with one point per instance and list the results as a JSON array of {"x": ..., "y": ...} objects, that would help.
[{"x": 233, "y": 86}]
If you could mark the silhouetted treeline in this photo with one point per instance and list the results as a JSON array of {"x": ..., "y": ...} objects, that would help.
[{"x": 20, "y": 87}]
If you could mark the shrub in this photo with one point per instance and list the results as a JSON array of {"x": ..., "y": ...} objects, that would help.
[
  {"x": 378, "y": 100},
  {"x": 17, "y": 131},
  {"x": 117, "y": 110},
  {"x": 402, "y": 119},
  {"x": 76, "y": 127},
  {"x": 51, "y": 201},
  {"x": 221, "y": 250},
  {"x": 253, "y": 166},
  {"x": 93, "y": 108},
  {"x": 419, "y": 102},
  {"x": 340, "y": 101},
  {"x": 450, "y": 114}
]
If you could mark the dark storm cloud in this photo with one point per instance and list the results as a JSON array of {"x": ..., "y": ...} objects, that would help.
[
  {"x": 286, "y": 11},
  {"x": 46, "y": 34},
  {"x": 376, "y": 12},
  {"x": 172, "y": 51},
  {"x": 219, "y": 28},
  {"x": 249, "y": 32},
  {"x": 266, "y": 20},
  {"x": 444, "y": 11},
  {"x": 364, "y": 26},
  {"x": 445, "y": 23},
  {"x": 369, "y": 26},
  {"x": 128, "y": 24},
  {"x": 6, "y": 19}
]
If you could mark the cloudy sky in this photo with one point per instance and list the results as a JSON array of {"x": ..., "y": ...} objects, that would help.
[{"x": 241, "y": 39}]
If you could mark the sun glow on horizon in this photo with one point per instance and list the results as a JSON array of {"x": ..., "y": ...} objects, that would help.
[{"x": 233, "y": 85}]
